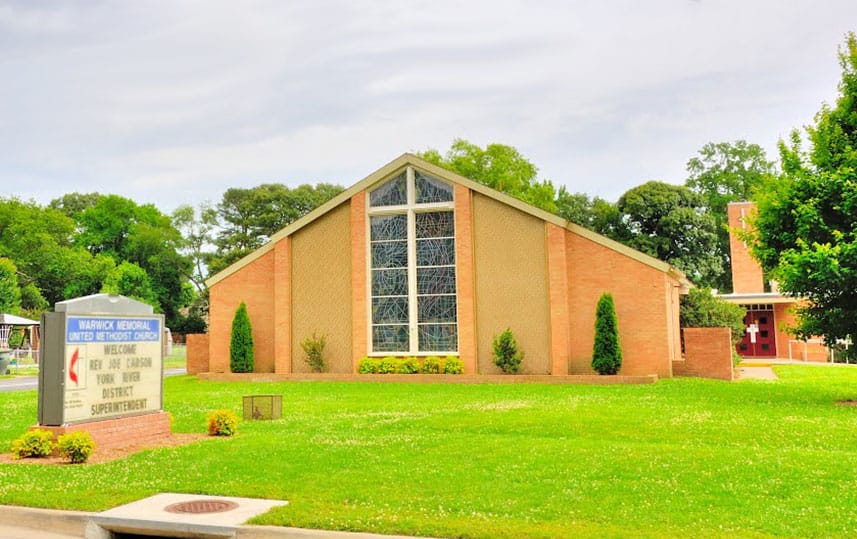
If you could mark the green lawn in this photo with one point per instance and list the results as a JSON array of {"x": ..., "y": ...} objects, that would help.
[{"x": 681, "y": 458}]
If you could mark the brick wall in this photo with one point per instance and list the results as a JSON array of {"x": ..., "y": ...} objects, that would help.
[
  {"x": 747, "y": 275},
  {"x": 123, "y": 432},
  {"x": 707, "y": 354},
  {"x": 197, "y": 353},
  {"x": 639, "y": 292}
]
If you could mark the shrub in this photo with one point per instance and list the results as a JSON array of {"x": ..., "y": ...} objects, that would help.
[
  {"x": 35, "y": 443},
  {"x": 506, "y": 353},
  {"x": 314, "y": 352},
  {"x": 408, "y": 365},
  {"x": 453, "y": 365},
  {"x": 606, "y": 352},
  {"x": 387, "y": 365},
  {"x": 241, "y": 346},
  {"x": 431, "y": 365},
  {"x": 368, "y": 365},
  {"x": 76, "y": 446},
  {"x": 702, "y": 309},
  {"x": 222, "y": 423}
]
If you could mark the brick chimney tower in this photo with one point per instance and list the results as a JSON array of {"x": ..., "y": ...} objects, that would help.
[{"x": 747, "y": 276}]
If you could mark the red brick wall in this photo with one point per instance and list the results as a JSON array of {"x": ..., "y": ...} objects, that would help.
[
  {"x": 707, "y": 354},
  {"x": 197, "y": 353},
  {"x": 747, "y": 275},
  {"x": 123, "y": 432},
  {"x": 254, "y": 285},
  {"x": 639, "y": 292}
]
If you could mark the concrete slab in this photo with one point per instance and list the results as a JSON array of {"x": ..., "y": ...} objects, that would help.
[
  {"x": 757, "y": 373},
  {"x": 150, "y": 517}
]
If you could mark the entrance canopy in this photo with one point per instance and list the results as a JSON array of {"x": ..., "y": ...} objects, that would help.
[{"x": 12, "y": 320}]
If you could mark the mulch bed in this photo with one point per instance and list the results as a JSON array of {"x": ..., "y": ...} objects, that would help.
[
  {"x": 108, "y": 454},
  {"x": 849, "y": 402}
]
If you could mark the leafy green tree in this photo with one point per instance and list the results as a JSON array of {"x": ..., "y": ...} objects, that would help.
[
  {"x": 40, "y": 241},
  {"x": 606, "y": 351},
  {"x": 700, "y": 308},
  {"x": 129, "y": 279},
  {"x": 806, "y": 227},
  {"x": 669, "y": 222},
  {"x": 197, "y": 232},
  {"x": 726, "y": 172},
  {"x": 72, "y": 204},
  {"x": 594, "y": 213},
  {"x": 241, "y": 346},
  {"x": 10, "y": 294},
  {"x": 119, "y": 228},
  {"x": 500, "y": 167}
]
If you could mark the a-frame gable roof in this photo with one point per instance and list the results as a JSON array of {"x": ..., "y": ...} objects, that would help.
[{"x": 407, "y": 159}]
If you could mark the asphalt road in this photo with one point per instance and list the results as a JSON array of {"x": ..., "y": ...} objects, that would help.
[{"x": 24, "y": 383}]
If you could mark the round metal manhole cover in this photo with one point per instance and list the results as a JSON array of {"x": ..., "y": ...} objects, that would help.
[{"x": 201, "y": 507}]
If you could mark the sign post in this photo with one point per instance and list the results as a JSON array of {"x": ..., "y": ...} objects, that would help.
[{"x": 102, "y": 360}]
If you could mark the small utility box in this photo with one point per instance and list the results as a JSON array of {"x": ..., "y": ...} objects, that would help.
[{"x": 263, "y": 406}]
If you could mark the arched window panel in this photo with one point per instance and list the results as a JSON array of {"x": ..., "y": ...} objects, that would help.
[
  {"x": 413, "y": 307},
  {"x": 391, "y": 193},
  {"x": 430, "y": 189}
]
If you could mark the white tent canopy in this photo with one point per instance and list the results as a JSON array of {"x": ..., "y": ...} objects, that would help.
[{"x": 12, "y": 320}]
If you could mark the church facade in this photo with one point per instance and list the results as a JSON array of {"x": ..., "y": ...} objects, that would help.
[{"x": 415, "y": 260}]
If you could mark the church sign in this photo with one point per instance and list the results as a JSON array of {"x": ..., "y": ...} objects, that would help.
[{"x": 103, "y": 359}]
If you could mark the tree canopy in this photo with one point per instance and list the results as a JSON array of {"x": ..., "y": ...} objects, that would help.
[{"x": 806, "y": 227}]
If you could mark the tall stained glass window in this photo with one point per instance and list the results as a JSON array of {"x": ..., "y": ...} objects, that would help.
[{"x": 412, "y": 257}]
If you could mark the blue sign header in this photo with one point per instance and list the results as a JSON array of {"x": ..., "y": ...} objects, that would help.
[{"x": 97, "y": 329}]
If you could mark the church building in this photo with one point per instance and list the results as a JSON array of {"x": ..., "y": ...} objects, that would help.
[{"x": 415, "y": 260}]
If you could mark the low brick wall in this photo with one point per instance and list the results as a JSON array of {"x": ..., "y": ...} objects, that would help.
[
  {"x": 197, "y": 353},
  {"x": 121, "y": 432},
  {"x": 707, "y": 354},
  {"x": 432, "y": 378}
]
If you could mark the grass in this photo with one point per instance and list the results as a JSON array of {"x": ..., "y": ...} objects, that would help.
[{"x": 683, "y": 457}]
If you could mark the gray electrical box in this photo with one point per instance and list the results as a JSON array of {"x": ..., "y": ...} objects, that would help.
[{"x": 102, "y": 358}]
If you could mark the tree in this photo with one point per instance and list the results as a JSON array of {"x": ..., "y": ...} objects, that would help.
[
  {"x": 72, "y": 204},
  {"x": 197, "y": 232},
  {"x": 10, "y": 294},
  {"x": 669, "y": 222},
  {"x": 606, "y": 351},
  {"x": 593, "y": 213},
  {"x": 129, "y": 279},
  {"x": 498, "y": 166},
  {"x": 700, "y": 308},
  {"x": 241, "y": 346},
  {"x": 119, "y": 228},
  {"x": 507, "y": 355},
  {"x": 722, "y": 173},
  {"x": 806, "y": 227}
]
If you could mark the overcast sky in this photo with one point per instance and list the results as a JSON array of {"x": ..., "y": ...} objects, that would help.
[{"x": 173, "y": 102}]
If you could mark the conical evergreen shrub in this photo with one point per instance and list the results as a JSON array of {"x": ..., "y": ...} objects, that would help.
[
  {"x": 606, "y": 352},
  {"x": 241, "y": 346}
]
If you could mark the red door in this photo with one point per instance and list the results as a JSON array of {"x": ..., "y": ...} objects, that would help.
[{"x": 760, "y": 336}]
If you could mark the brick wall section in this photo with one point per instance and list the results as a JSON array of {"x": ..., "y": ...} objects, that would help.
[
  {"x": 707, "y": 354},
  {"x": 747, "y": 277},
  {"x": 123, "y": 432},
  {"x": 252, "y": 284},
  {"x": 197, "y": 353},
  {"x": 465, "y": 278},
  {"x": 283, "y": 306},
  {"x": 785, "y": 318},
  {"x": 645, "y": 325},
  {"x": 359, "y": 293},
  {"x": 558, "y": 299}
]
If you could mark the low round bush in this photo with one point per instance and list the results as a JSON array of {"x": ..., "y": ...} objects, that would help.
[
  {"x": 76, "y": 446},
  {"x": 222, "y": 423},
  {"x": 368, "y": 365},
  {"x": 387, "y": 365},
  {"x": 431, "y": 365},
  {"x": 453, "y": 365},
  {"x": 408, "y": 365},
  {"x": 33, "y": 444}
]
